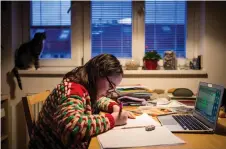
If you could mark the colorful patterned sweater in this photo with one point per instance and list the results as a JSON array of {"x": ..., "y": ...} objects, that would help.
[{"x": 67, "y": 120}]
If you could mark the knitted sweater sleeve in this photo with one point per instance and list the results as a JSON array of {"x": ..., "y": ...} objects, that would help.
[
  {"x": 75, "y": 122},
  {"x": 106, "y": 104}
]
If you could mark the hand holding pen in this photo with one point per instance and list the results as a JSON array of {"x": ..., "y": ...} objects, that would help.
[
  {"x": 120, "y": 120},
  {"x": 121, "y": 116},
  {"x": 116, "y": 96},
  {"x": 130, "y": 114}
]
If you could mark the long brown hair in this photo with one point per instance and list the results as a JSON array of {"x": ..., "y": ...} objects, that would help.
[{"x": 102, "y": 65}]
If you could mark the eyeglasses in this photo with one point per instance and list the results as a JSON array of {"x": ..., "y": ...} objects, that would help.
[
  {"x": 113, "y": 94},
  {"x": 112, "y": 89}
]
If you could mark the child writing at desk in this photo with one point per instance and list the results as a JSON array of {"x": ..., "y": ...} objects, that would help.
[{"x": 70, "y": 114}]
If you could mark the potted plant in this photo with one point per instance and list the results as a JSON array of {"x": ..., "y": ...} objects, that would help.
[{"x": 151, "y": 59}]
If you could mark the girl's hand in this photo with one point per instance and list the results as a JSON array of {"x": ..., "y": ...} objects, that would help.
[
  {"x": 130, "y": 114},
  {"x": 122, "y": 120}
]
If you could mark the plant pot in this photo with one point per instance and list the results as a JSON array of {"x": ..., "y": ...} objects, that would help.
[{"x": 150, "y": 64}]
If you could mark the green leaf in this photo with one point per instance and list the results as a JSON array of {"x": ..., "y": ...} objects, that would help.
[{"x": 152, "y": 55}]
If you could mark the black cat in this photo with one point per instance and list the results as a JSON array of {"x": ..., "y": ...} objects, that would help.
[{"x": 27, "y": 56}]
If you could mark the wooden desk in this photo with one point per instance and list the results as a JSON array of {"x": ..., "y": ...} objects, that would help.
[{"x": 193, "y": 141}]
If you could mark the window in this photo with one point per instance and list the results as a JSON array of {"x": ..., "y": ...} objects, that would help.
[
  {"x": 53, "y": 18},
  {"x": 114, "y": 27},
  {"x": 165, "y": 26},
  {"x": 111, "y": 28}
]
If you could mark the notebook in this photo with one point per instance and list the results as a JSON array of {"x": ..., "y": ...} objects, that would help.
[
  {"x": 204, "y": 117},
  {"x": 138, "y": 137}
]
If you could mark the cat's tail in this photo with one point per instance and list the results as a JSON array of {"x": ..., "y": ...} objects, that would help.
[{"x": 16, "y": 74}]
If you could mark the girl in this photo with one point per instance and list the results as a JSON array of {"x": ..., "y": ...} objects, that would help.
[{"x": 70, "y": 115}]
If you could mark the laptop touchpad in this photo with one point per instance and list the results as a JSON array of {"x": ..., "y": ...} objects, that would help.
[{"x": 167, "y": 120}]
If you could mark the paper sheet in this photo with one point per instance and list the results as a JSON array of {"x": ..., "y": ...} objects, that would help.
[
  {"x": 137, "y": 137},
  {"x": 142, "y": 120},
  {"x": 171, "y": 104},
  {"x": 160, "y": 101}
]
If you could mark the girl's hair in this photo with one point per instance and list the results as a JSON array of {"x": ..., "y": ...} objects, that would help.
[{"x": 103, "y": 65}]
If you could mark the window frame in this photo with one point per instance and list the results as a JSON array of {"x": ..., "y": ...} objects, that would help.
[
  {"x": 185, "y": 34},
  {"x": 76, "y": 37},
  {"x": 136, "y": 27},
  {"x": 81, "y": 38},
  {"x": 52, "y": 27},
  {"x": 138, "y": 33}
]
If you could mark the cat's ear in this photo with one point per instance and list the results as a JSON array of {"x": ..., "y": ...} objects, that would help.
[
  {"x": 44, "y": 35},
  {"x": 36, "y": 35}
]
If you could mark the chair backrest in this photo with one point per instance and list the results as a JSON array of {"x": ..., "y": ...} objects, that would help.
[{"x": 32, "y": 106}]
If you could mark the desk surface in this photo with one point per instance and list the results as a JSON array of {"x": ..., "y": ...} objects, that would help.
[{"x": 193, "y": 141}]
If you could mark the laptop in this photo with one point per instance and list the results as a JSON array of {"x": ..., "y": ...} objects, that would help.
[{"x": 204, "y": 116}]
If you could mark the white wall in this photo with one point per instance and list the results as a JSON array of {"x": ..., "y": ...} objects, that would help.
[
  {"x": 212, "y": 45},
  {"x": 215, "y": 38}
]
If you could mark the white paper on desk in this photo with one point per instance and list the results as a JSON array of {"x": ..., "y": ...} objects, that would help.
[
  {"x": 160, "y": 101},
  {"x": 142, "y": 120},
  {"x": 171, "y": 104},
  {"x": 137, "y": 137}
]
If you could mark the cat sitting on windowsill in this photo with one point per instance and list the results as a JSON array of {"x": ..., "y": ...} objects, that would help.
[{"x": 27, "y": 56}]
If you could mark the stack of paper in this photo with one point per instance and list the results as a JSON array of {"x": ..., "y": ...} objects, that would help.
[
  {"x": 132, "y": 89},
  {"x": 138, "y": 137},
  {"x": 167, "y": 104}
]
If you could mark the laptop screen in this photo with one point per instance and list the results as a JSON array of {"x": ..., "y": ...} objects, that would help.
[{"x": 208, "y": 101}]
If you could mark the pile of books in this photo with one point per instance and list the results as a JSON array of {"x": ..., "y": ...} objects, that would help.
[{"x": 134, "y": 95}]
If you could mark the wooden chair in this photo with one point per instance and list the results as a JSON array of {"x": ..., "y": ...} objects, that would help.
[{"x": 32, "y": 105}]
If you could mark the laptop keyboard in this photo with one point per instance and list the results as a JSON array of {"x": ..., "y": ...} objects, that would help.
[{"x": 188, "y": 122}]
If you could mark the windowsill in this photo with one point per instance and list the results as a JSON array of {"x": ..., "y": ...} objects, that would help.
[{"x": 60, "y": 71}]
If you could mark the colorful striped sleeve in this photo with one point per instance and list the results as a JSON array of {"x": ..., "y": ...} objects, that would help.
[
  {"x": 106, "y": 104},
  {"x": 74, "y": 123}
]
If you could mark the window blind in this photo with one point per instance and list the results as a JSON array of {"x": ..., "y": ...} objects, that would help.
[
  {"x": 111, "y": 28},
  {"x": 50, "y": 13},
  {"x": 165, "y": 26},
  {"x": 52, "y": 17}
]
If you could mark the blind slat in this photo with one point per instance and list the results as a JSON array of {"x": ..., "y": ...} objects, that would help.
[
  {"x": 52, "y": 18},
  {"x": 165, "y": 26},
  {"x": 50, "y": 13},
  {"x": 111, "y": 28}
]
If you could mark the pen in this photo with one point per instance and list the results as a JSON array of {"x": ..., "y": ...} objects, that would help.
[
  {"x": 136, "y": 112},
  {"x": 120, "y": 110},
  {"x": 119, "y": 103},
  {"x": 133, "y": 127},
  {"x": 147, "y": 128}
]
